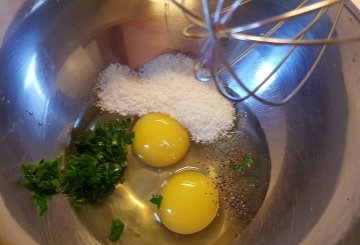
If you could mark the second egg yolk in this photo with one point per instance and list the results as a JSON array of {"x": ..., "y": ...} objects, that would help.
[
  {"x": 160, "y": 140},
  {"x": 190, "y": 202}
]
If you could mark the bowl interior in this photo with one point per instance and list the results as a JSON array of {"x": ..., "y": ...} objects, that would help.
[{"x": 50, "y": 59}]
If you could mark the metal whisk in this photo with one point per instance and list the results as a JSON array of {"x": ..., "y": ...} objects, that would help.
[{"x": 213, "y": 28}]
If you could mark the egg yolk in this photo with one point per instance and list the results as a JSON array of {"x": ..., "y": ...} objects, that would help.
[
  {"x": 189, "y": 204},
  {"x": 160, "y": 140}
]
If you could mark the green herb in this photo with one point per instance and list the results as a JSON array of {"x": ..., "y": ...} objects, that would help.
[
  {"x": 90, "y": 174},
  {"x": 99, "y": 164},
  {"x": 43, "y": 180},
  {"x": 117, "y": 228},
  {"x": 246, "y": 163},
  {"x": 248, "y": 160},
  {"x": 156, "y": 199}
]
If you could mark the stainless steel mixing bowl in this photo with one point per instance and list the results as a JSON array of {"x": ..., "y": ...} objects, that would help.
[{"x": 51, "y": 52}]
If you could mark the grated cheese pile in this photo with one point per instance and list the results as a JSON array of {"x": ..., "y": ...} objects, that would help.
[{"x": 166, "y": 85}]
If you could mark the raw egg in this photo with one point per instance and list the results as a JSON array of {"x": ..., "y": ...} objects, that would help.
[
  {"x": 190, "y": 202},
  {"x": 160, "y": 140}
]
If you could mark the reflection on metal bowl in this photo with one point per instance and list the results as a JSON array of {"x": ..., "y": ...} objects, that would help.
[{"x": 51, "y": 53}]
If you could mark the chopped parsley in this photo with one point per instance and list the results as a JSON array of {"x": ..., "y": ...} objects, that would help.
[
  {"x": 246, "y": 163},
  {"x": 43, "y": 180},
  {"x": 99, "y": 164},
  {"x": 156, "y": 199},
  {"x": 91, "y": 173},
  {"x": 117, "y": 229}
]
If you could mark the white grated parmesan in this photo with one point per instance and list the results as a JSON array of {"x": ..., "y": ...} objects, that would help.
[{"x": 166, "y": 84}]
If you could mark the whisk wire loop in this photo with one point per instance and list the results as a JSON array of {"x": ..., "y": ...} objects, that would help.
[{"x": 212, "y": 27}]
